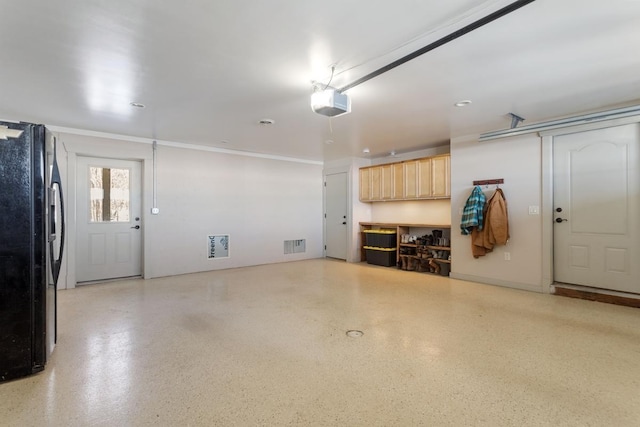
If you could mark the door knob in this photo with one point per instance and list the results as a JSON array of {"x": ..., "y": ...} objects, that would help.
[
  {"x": 137, "y": 227},
  {"x": 559, "y": 220}
]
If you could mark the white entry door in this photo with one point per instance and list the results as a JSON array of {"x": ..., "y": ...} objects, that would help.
[
  {"x": 597, "y": 208},
  {"x": 109, "y": 233},
  {"x": 336, "y": 215}
]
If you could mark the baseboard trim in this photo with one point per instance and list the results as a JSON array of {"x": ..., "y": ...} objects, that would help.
[
  {"x": 497, "y": 282},
  {"x": 599, "y": 295}
]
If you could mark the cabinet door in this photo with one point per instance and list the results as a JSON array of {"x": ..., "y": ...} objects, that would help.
[
  {"x": 365, "y": 185},
  {"x": 387, "y": 182},
  {"x": 397, "y": 170},
  {"x": 410, "y": 179},
  {"x": 424, "y": 178},
  {"x": 376, "y": 183},
  {"x": 440, "y": 170}
]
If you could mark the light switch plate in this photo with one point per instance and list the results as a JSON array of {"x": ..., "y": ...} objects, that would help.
[{"x": 534, "y": 210}]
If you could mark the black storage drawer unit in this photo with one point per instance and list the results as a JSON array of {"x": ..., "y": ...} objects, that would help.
[
  {"x": 381, "y": 238},
  {"x": 381, "y": 256}
]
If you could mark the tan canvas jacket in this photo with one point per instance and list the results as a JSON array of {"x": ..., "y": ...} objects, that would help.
[{"x": 496, "y": 226}]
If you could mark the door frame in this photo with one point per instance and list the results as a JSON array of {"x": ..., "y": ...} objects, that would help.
[
  {"x": 347, "y": 219},
  {"x": 356, "y": 210},
  {"x": 92, "y": 161},
  {"x": 80, "y": 145},
  {"x": 332, "y": 171},
  {"x": 547, "y": 192}
]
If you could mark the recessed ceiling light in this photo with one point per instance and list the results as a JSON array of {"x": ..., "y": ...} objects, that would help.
[
  {"x": 366, "y": 151},
  {"x": 137, "y": 104},
  {"x": 266, "y": 122},
  {"x": 462, "y": 103}
]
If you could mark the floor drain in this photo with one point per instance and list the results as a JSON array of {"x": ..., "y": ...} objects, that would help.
[{"x": 354, "y": 334}]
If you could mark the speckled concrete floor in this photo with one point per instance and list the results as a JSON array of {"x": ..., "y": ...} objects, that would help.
[{"x": 267, "y": 345}]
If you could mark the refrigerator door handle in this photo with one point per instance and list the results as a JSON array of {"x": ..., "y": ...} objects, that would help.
[{"x": 56, "y": 180}]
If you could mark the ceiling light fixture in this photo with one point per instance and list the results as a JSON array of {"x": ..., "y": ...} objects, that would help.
[
  {"x": 266, "y": 122},
  {"x": 137, "y": 104},
  {"x": 462, "y": 103},
  {"x": 366, "y": 151}
]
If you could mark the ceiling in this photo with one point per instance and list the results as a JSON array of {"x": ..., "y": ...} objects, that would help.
[{"x": 208, "y": 71}]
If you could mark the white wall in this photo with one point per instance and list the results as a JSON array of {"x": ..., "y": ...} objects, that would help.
[
  {"x": 518, "y": 160},
  {"x": 435, "y": 212},
  {"x": 259, "y": 201}
]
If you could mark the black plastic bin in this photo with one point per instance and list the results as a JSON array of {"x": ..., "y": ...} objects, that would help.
[
  {"x": 381, "y": 238},
  {"x": 385, "y": 257},
  {"x": 445, "y": 269}
]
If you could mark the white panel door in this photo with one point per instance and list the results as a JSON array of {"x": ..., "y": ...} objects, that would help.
[
  {"x": 596, "y": 208},
  {"x": 109, "y": 234},
  {"x": 336, "y": 215}
]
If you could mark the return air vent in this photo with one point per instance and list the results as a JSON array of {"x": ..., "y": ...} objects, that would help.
[{"x": 295, "y": 246}]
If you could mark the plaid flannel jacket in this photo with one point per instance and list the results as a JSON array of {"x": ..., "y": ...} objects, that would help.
[{"x": 472, "y": 214}]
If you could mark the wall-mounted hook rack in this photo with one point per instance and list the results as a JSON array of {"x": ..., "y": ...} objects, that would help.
[{"x": 489, "y": 182}]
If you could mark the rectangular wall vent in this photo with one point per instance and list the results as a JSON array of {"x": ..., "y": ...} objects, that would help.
[{"x": 295, "y": 246}]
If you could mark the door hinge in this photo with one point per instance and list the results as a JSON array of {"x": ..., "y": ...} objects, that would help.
[{"x": 325, "y": 247}]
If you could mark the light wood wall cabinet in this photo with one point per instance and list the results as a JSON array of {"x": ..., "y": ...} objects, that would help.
[
  {"x": 410, "y": 179},
  {"x": 386, "y": 172},
  {"x": 398, "y": 181},
  {"x": 424, "y": 178},
  {"x": 376, "y": 183},
  {"x": 365, "y": 184},
  {"x": 440, "y": 176},
  {"x": 420, "y": 179}
]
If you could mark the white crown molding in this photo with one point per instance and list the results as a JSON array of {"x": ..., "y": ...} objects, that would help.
[{"x": 176, "y": 144}]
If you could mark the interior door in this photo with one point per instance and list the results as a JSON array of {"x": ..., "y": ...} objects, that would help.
[
  {"x": 336, "y": 215},
  {"x": 596, "y": 208},
  {"x": 109, "y": 233}
]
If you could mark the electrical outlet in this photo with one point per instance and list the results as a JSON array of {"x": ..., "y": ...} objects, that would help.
[
  {"x": 507, "y": 256},
  {"x": 155, "y": 211}
]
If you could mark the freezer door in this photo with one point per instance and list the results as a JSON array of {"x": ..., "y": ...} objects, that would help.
[{"x": 22, "y": 250}]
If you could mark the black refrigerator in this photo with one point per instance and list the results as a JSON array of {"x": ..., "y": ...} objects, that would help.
[{"x": 31, "y": 247}]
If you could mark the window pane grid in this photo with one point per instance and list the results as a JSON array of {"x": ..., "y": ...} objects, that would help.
[{"x": 109, "y": 199}]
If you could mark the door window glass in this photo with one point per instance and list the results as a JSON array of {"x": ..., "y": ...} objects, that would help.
[{"x": 109, "y": 194}]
